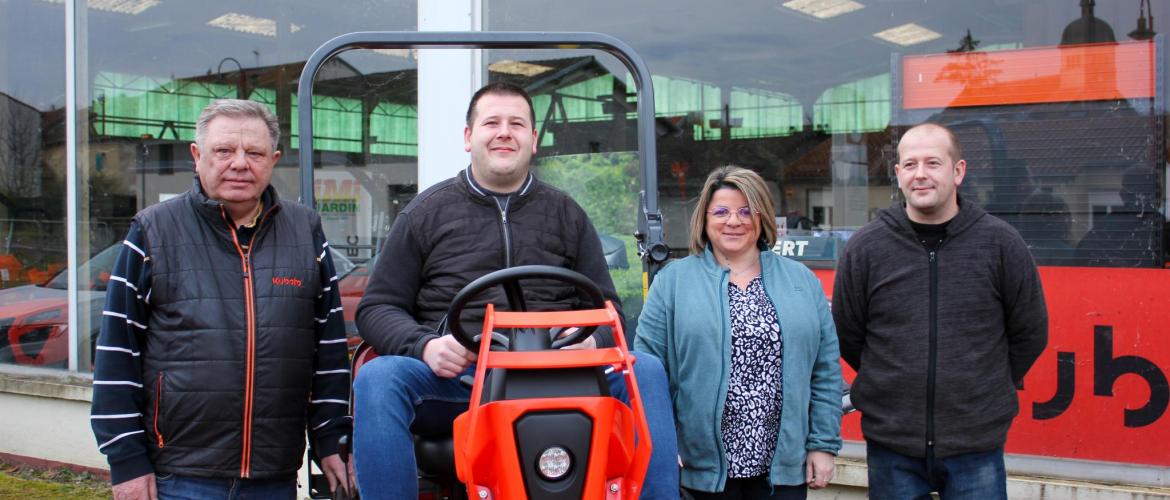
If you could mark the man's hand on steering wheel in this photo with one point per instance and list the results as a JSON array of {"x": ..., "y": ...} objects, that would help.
[
  {"x": 590, "y": 342},
  {"x": 447, "y": 357},
  {"x": 509, "y": 278}
]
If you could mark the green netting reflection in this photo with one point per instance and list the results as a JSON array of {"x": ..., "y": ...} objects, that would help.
[
  {"x": 858, "y": 106},
  {"x": 759, "y": 113},
  {"x": 698, "y": 101},
  {"x": 134, "y": 106}
]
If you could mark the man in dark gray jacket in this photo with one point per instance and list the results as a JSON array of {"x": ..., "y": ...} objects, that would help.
[
  {"x": 940, "y": 310},
  {"x": 493, "y": 215}
]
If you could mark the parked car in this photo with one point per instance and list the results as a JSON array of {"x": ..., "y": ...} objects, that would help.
[
  {"x": 34, "y": 323},
  {"x": 351, "y": 281},
  {"x": 615, "y": 252}
]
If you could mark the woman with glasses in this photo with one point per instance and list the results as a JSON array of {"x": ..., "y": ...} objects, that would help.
[{"x": 750, "y": 350}]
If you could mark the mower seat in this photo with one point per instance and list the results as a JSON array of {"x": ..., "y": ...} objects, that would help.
[
  {"x": 435, "y": 455},
  {"x": 434, "y": 449}
]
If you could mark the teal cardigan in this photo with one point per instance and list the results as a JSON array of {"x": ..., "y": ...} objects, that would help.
[{"x": 685, "y": 323}]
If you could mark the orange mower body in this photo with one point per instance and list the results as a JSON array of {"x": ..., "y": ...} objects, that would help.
[{"x": 494, "y": 454}]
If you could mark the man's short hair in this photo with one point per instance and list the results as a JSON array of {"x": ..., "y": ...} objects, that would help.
[
  {"x": 237, "y": 108},
  {"x": 501, "y": 88},
  {"x": 753, "y": 188},
  {"x": 956, "y": 149}
]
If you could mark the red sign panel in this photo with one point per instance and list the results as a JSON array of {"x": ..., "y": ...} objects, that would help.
[
  {"x": 1070, "y": 73},
  {"x": 1099, "y": 391}
]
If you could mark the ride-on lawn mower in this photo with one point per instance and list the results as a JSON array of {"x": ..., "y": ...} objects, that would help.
[{"x": 541, "y": 423}]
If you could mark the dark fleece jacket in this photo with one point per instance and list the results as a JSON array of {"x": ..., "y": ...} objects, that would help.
[
  {"x": 455, "y": 232},
  {"x": 986, "y": 315}
]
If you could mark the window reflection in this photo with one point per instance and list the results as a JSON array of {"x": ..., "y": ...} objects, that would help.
[
  {"x": 815, "y": 102},
  {"x": 151, "y": 71},
  {"x": 605, "y": 185},
  {"x": 32, "y": 184}
]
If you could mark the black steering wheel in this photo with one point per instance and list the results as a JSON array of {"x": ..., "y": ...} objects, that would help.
[{"x": 510, "y": 279}]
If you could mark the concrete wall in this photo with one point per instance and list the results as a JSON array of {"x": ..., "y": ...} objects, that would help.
[
  {"x": 850, "y": 484},
  {"x": 46, "y": 416}
]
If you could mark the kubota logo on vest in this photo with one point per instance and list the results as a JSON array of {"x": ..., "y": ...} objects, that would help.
[{"x": 278, "y": 281}]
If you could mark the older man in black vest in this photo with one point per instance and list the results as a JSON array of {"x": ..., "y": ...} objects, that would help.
[{"x": 222, "y": 337}]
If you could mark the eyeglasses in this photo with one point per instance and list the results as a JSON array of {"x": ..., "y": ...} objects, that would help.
[{"x": 723, "y": 213}]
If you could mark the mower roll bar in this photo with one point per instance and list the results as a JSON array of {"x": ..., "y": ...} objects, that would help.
[{"x": 651, "y": 247}]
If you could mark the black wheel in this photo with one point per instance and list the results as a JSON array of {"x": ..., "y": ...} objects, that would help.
[{"x": 510, "y": 279}]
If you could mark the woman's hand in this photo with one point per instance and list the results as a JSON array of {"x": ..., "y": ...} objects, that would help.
[{"x": 818, "y": 469}]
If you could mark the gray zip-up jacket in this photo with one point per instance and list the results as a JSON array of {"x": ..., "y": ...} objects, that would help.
[{"x": 940, "y": 340}]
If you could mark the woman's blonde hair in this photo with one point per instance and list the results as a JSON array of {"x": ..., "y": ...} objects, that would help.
[{"x": 759, "y": 200}]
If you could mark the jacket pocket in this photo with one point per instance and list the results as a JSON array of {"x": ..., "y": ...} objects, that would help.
[{"x": 158, "y": 406}]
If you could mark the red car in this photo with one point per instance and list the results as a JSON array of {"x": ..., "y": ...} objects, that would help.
[{"x": 34, "y": 323}]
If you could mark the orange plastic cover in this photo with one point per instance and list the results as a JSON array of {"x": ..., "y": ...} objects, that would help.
[
  {"x": 1088, "y": 72},
  {"x": 485, "y": 444}
]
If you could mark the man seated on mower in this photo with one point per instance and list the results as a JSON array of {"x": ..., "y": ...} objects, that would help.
[{"x": 491, "y": 216}]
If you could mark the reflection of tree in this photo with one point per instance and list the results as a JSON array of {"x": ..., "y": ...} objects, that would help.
[
  {"x": 971, "y": 69},
  {"x": 108, "y": 204},
  {"x": 606, "y": 186},
  {"x": 20, "y": 149},
  {"x": 967, "y": 44},
  {"x": 28, "y": 233}
]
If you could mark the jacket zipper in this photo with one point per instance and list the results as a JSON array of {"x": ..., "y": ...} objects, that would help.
[
  {"x": 933, "y": 352},
  {"x": 724, "y": 374},
  {"x": 250, "y": 356},
  {"x": 776, "y": 308},
  {"x": 507, "y": 233},
  {"x": 157, "y": 405}
]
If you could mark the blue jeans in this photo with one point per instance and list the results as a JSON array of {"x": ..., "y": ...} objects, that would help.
[
  {"x": 389, "y": 395},
  {"x": 174, "y": 487},
  {"x": 976, "y": 476}
]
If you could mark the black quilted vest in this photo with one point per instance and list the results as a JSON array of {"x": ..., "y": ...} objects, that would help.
[{"x": 228, "y": 357}]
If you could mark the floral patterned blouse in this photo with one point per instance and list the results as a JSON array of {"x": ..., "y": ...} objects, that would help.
[{"x": 751, "y": 414}]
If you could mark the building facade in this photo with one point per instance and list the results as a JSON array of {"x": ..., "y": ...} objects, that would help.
[{"x": 1060, "y": 105}]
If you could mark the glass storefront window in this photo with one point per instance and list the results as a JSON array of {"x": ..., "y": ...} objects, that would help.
[
  {"x": 1058, "y": 104},
  {"x": 33, "y": 299},
  {"x": 152, "y": 69},
  {"x": 805, "y": 98}
]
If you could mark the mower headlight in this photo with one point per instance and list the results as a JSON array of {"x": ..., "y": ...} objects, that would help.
[{"x": 554, "y": 463}]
